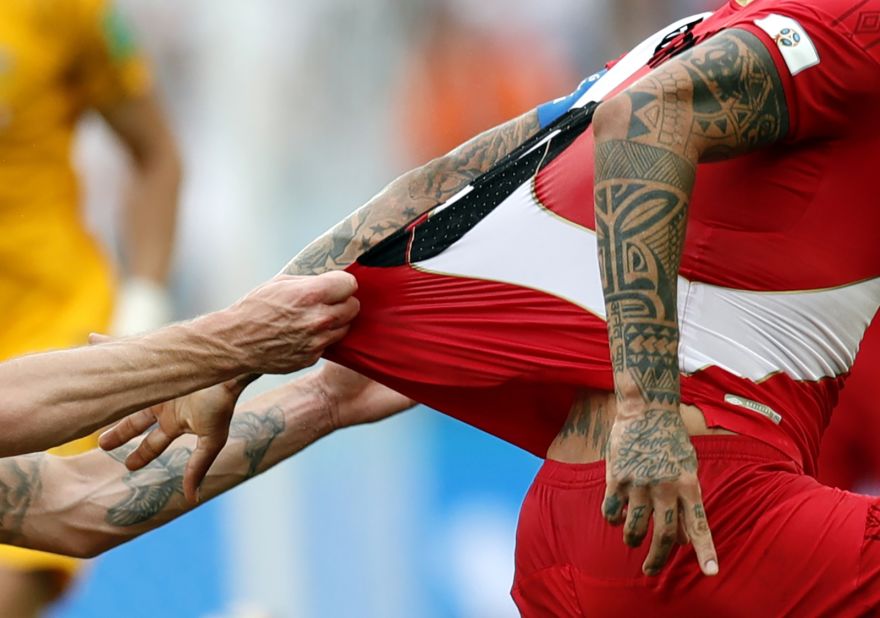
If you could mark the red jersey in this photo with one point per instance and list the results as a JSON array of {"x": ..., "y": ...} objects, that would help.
[{"x": 490, "y": 308}]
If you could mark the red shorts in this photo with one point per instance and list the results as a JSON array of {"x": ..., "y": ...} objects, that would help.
[{"x": 787, "y": 546}]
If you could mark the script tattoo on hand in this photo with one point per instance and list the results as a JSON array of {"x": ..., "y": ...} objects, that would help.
[
  {"x": 258, "y": 431},
  {"x": 410, "y": 196},
  {"x": 653, "y": 449},
  {"x": 20, "y": 486}
]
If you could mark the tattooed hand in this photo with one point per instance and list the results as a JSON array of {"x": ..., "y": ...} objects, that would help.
[
  {"x": 652, "y": 469},
  {"x": 205, "y": 414}
]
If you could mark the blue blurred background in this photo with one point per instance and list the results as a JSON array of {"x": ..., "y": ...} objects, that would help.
[{"x": 290, "y": 113}]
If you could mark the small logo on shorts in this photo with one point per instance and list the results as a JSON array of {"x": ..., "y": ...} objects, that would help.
[
  {"x": 754, "y": 406},
  {"x": 788, "y": 37}
]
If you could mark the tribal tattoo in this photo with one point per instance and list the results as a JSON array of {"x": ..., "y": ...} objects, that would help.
[
  {"x": 410, "y": 196},
  {"x": 641, "y": 207},
  {"x": 720, "y": 99},
  {"x": 20, "y": 486},
  {"x": 713, "y": 102}
]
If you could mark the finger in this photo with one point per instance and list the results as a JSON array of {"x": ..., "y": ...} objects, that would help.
[
  {"x": 207, "y": 450},
  {"x": 98, "y": 338},
  {"x": 612, "y": 505},
  {"x": 150, "y": 447},
  {"x": 342, "y": 313},
  {"x": 700, "y": 534},
  {"x": 683, "y": 538},
  {"x": 330, "y": 337},
  {"x": 335, "y": 287},
  {"x": 127, "y": 429},
  {"x": 638, "y": 513},
  {"x": 664, "y": 537}
]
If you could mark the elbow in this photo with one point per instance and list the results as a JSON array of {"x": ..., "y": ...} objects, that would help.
[{"x": 611, "y": 119}]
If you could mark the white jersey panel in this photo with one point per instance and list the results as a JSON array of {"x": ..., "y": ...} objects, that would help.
[{"x": 808, "y": 335}]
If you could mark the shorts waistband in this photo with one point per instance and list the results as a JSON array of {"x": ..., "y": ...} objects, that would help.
[{"x": 708, "y": 448}]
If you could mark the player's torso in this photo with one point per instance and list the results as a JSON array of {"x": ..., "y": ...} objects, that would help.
[{"x": 780, "y": 273}]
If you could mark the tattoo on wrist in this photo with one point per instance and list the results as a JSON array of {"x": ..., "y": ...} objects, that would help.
[
  {"x": 258, "y": 431},
  {"x": 20, "y": 485}
]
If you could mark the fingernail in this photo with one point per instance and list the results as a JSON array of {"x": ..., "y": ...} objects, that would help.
[{"x": 711, "y": 567}]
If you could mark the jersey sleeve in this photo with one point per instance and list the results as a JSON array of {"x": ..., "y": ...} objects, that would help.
[
  {"x": 828, "y": 56},
  {"x": 112, "y": 68},
  {"x": 549, "y": 112}
]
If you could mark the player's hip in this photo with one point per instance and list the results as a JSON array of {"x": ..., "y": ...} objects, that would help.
[{"x": 786, "y": 545}]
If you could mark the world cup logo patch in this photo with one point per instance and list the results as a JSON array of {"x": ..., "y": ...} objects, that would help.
[{"x": 788, "y": 38}]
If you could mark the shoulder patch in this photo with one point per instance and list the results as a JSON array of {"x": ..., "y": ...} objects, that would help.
[{"x": 794, "y": 43}]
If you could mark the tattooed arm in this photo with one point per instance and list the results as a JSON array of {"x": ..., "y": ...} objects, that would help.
[
  {"x": 87, "y": 504},
  {"x": 411, "y": 195},
  {"x": 719, "y": 100}
]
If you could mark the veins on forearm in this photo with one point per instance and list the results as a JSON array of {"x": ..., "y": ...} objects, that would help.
[
  {"x": 410, "y": 196},
  {"x": 20, "y": 486}
]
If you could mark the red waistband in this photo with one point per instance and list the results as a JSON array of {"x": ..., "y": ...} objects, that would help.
[{"x": 709, "y": 448}]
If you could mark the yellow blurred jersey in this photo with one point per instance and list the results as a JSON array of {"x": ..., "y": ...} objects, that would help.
[{"x": 58, "y": 59}]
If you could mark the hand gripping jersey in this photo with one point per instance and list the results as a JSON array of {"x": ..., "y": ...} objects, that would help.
[{"x": 490, "y": 307}]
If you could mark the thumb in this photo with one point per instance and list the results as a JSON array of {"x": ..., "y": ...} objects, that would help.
[{"x": 98, "y": 338}]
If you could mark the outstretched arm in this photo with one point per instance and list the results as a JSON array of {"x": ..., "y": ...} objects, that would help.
[
  {"x": 87, "y": 504},
  {"x": 721, "y": 99},
  {"x": 47, "y": 399},
  {"x": 404, "y": 199},
  {"x": 409, "y": 196}
]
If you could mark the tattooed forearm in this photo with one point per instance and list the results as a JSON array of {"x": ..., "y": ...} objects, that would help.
[
  {"x": 720, "y": 99},
  {"x": 150, "y": 489},
  {"x": 409, "y": 196},
  {"x": 641, "y": 207},
  {"x": 258, "y": 431},
  {"x": 20, "y": 486}
]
